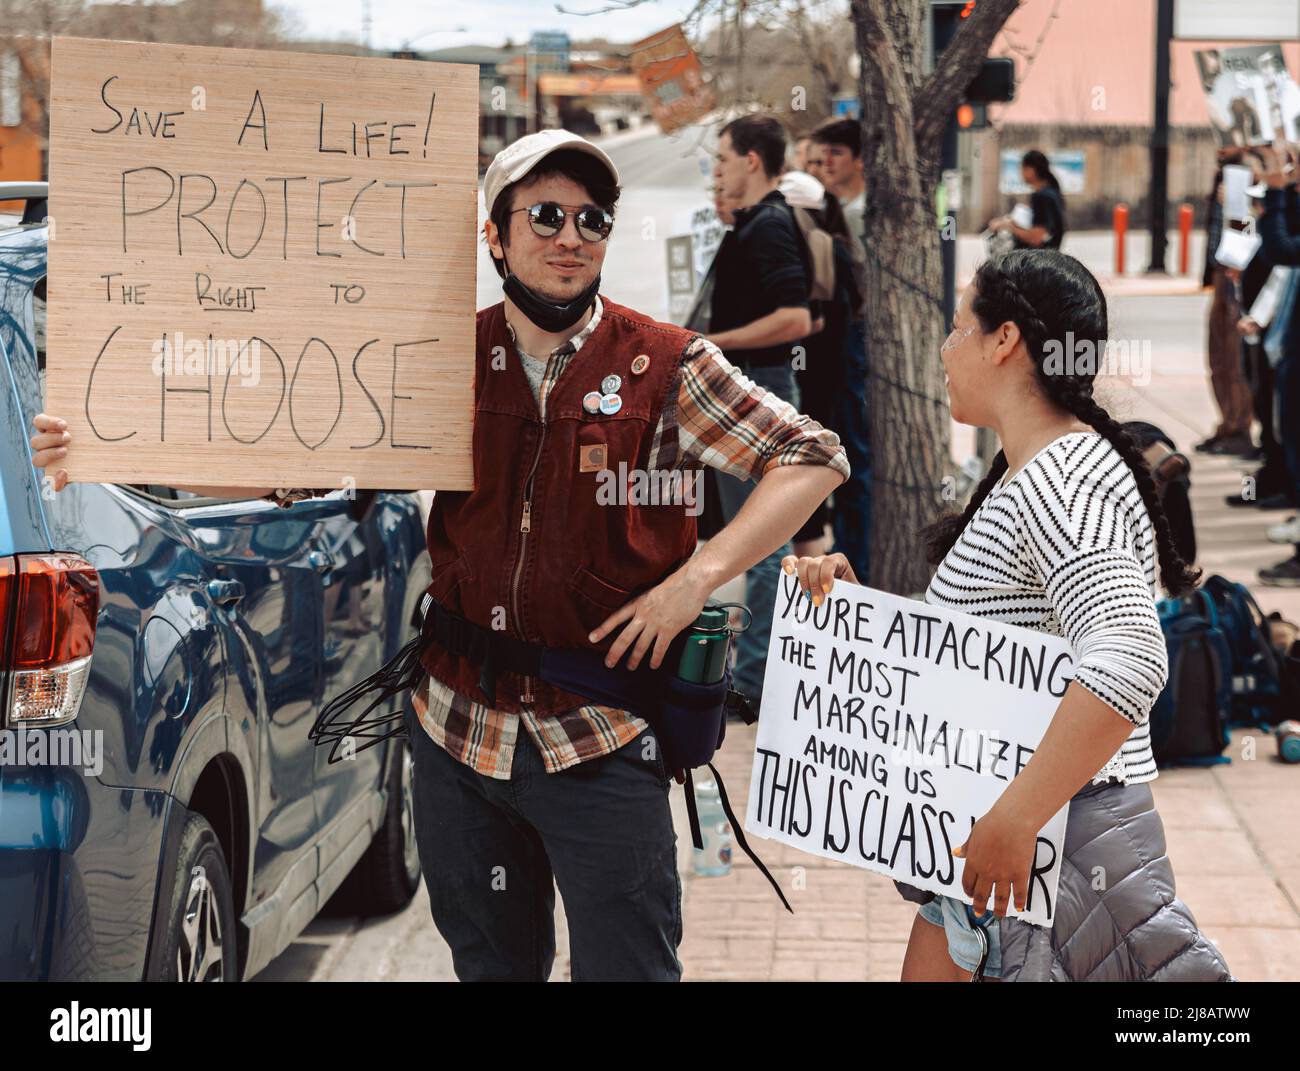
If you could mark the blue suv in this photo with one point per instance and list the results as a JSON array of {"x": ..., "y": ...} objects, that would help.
[{"x": 163, "y": 814}]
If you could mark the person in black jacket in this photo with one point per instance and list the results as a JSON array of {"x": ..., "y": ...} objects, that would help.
[
  {"x": 1279, "y": 231},
  {"x": 1269, "y": 486},
  {"x": 1046, "y": 205}
]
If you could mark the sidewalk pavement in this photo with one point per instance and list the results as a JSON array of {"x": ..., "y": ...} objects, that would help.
[
  {"x": 1096, "y": 249},
  {"x": 1231, "y": 829}
]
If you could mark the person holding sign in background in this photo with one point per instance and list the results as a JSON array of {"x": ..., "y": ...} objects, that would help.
[{"x": 1064, "y": 535}]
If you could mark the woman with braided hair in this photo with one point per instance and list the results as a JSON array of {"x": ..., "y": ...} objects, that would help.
[{"x": 1066, "y": 535}]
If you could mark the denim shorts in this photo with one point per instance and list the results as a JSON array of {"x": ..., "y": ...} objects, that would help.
[{"x": 963, "y": 944}]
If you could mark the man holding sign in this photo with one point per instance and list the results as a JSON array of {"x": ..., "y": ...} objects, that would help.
[
  {"x": 519, "y": 784},
  {"x": 1063, "y": 537}
]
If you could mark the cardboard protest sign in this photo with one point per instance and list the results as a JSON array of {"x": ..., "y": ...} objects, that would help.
[
  {"x": 681, "y": 276},
  {"x": 262, "y": 266},
  {"x": 1251, "y": 97},
  {"x": 890, "y": 726},
  {"x": 672, "y": 79}
]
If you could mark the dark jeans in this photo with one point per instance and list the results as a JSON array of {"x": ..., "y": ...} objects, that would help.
[
  {"x": 851, "y": 517},
  {"x": 492, "y": 852}
]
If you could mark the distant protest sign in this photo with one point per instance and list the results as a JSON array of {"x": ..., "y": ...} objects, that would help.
[
  {"x": 1251, "y": 97},
  {"x": 672, "y": 79},
  {"x": 262, "y": 266},
  {"x": 890, "y": 726}
]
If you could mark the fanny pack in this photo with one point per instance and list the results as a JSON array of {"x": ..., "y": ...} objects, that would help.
[{"x": 689, "y": 720}]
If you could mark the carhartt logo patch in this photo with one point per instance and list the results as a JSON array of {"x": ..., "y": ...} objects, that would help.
[{"x": 591, "y": 458}]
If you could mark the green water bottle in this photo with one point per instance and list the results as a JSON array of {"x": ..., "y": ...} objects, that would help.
[{"x": 704, "y": 658}]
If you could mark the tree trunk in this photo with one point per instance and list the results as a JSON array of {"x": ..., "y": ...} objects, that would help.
[{"x": 904, "y": 114}]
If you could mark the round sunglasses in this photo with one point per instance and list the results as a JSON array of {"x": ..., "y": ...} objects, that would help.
[{"x": 547, "y": 220}]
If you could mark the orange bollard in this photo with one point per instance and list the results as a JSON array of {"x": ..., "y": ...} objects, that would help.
[
  {"x": 1121, "y": 235},
  {"x": 1185, "y": 237}
]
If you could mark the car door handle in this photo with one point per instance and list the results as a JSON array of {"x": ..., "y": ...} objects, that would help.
[
  {"x": 320, "y": 561},
  {"x": 225, "y": 592}
]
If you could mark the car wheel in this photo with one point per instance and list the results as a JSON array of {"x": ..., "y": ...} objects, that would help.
[
  {"x": 386, "y": 877},
  {"x": 199, "y": 945}
]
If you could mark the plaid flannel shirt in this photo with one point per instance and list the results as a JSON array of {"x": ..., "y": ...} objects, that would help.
[{"x": 725, "y": 421}]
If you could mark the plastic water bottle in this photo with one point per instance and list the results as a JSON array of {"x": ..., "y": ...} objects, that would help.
[
  {"x": 714, "y": 859},
  {"x": 1288, "y": 744}
]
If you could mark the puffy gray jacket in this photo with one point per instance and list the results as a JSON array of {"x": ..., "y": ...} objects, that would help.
[{"x": 1132, "y": 927}]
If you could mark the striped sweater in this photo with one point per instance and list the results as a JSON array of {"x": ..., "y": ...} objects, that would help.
[{"x": 1066, "y": 547}]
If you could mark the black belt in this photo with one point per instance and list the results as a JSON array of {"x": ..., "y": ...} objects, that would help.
[{"x": 494, "y": 652}]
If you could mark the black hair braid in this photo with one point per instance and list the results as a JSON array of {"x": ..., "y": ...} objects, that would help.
[
  {"x": 942, "y": 534},
  {"x": 1175, "y": 574}
]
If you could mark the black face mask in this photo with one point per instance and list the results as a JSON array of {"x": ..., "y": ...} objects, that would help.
[{"x": 551, "y": 316}]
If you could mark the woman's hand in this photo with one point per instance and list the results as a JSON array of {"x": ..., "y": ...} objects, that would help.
[
  {"x": 816, "y": 575},
  {"x": 999, "y": 856},
  {"x": 50, "y": 444},
  {"x": 1247, "y": 326}
]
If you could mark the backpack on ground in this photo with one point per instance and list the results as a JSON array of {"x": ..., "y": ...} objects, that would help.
[
  {"x": 1257, "y": 671},
  {"x": 1189, "y": 721}
]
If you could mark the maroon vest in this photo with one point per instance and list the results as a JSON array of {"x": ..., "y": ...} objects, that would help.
[{"x": 533, "y": 550}]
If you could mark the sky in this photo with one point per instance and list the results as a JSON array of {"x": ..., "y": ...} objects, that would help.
[{"x": 487, "y": 22}]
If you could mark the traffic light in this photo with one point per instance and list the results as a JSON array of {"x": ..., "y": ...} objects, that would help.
[{"x": 996, "y": 80}]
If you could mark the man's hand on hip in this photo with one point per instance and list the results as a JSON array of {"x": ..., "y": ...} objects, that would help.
[{"x": 653, "y": 618}]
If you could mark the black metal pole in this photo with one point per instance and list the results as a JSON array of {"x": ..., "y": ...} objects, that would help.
[
  {"x": 1158, "y": 201},
  {"x": 948, "y": 243}
]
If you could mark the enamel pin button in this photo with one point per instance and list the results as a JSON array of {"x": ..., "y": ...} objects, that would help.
[
  {"x": 611, "y": 404},
  {"x": 640, "y": 363},
  {"x": 591, "y": 402},
  {"x": 610, "y": 384}
]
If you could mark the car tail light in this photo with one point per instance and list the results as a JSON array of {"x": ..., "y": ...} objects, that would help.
[{"x": 48, "y": 607}]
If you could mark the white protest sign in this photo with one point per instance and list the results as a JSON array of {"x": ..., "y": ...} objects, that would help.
[
  {"x": 1266, "y": 301},
  {"x": 1237, "y": 248},
  {"x": 1236, "y": 179},
  {"x": 890, "y": 726}
]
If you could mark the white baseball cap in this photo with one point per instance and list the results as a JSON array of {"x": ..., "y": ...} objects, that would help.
[
  {"x": 801, "y": 190},
  {"x": 518, "y": 158}
]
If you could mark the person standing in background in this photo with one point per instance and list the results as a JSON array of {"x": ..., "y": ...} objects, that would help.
[
  {"x": 1046, "y": 229},
  {"x": 821, "y": 378},
  {"x": 1279, "y": 231},
  {"x": 1269, "y": 487},
  {"x": 1231, "y": 393},
  {"x": 759, "y": 313},
  {"x": 838, "y": 142}
]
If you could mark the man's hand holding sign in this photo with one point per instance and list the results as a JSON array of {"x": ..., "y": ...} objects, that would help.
[{"x": 864, "y": 756}]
